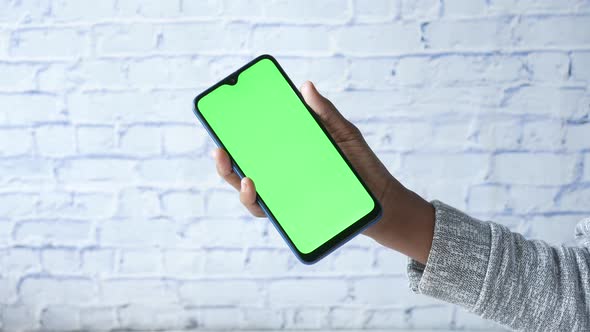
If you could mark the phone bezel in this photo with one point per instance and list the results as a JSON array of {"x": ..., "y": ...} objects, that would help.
[{"x": 340, "y": 238}]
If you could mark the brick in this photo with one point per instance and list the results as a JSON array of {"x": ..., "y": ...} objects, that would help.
[
  {"x": 457, "y": 167},
  {"x": 432, "y": 317},
  {"x": 183, "y": 204},
  {"x": 17, "y": 76},
  {"x": 219, "y": 318},
  {"x": 291, "y": 40},
  {"x": 551, "y": 67},
  {"x": 561, "y": 103},
  {"x": 552, "y": 31},
  {"x": 97, "y": 261},
  {"x": 458, "y": 69},
  {"x": 488, "y": 199},
  {"x": 140, "y": 262},
  {"x": 525, "y": 168},
  {"x": 309, "y": 11},
  {"x": 220, "y": 293},
  {"x": 96, "y": 74},
  {"x": 17, "y": 204},
  {"x": 262, "y": 318},
  {"x": 346, "y": 318},
  {"x": 523, "y": 7},
  {"x": 28, "y": 11},
  {"x": 257, "y": 261},
  {"x": 213, "y": 232},
  {"x": 166, "y": 72},
  {"x": 383, "y": 39},
  {"x": 30, "y": 108},
  {"x": 576, "y": 137},
  {"x": 62, "y": 232},
  {"x": 304, "y": 318},
  {"x": 149, "y": 317},
  {"x": 498, "y": 135},
  {"x": 546, "y": 135},
  {"x": 421, "y": 9},
  {"x": 75, "y": 205},
  {"x": 8, "y": 294},
  {"x": 123, "y": 232},
  {"x": 138, "y": 202},
  {"x": 60, "y": 318},
  {"x": 206, "y": 8},
  {"x": 85, "y": 10},
  {"x": 61, "y": 261},
  {"x": 353, "y": 260},
  {"x": 372, "y": 73},
  {"x": 580, "y": 62},
  {"x": 177, "y": 170},
  {"x": 128, "y": 8},
  {"x": 128, "y": 291},
  {"x": 184, "y": 139},
  {"x": 55, "y": 141},
  {"x": 140, "y": 141},
  {"x": 99, "y": 169},
  {"x": 50, "y": 43},
  {"x": 104, "y": 108},
  {"x": 15, "y": 142},
  {"x": 225, "y": 203},
  {"x": 224, "y": 261},
  {"x": 385, "y": 318},
  {"x": 97, "y": 318},
  {"x": 555, "y": 229},
  {"x": 325, "y": 73},
  {"x": 125, "y": 39},
  {"x": 55, "y": 77},
  {"x": 390, "y": 262},
  {"x": 28, "y": 169},
  {"x": 576, "y": 199},
  {"x": 467, "y": 320},
  {"x": 17, "y": 317},
  {"x": 527, "y": 199},
  {"x": 375, "y": 11},
  {"x": 44, "y": 290},
  {"x": 19, "y": 261},
  {"x": 207, "y": 38},
  {"x": 369, "y": 291},
  {"x": 180, "y": 263},
  {"x": 297, "y": 292},
  {"x": 492, "y": 34},
  {"x": 95, "y": 139},
  {"x": 464, "y": 8}
]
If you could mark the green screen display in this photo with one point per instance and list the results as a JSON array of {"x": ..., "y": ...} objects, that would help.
[{"x": 272, "y": 137}]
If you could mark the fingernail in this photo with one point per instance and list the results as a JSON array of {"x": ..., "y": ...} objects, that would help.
[
  {"x": 212, "y": 153},
  {"x": 244, "y": 185}
]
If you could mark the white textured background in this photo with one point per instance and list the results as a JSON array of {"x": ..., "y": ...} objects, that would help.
[{"x": 112, "y": 217}]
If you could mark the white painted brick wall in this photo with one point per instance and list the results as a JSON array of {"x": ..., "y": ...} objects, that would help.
[{"x": 112, "y": 216}]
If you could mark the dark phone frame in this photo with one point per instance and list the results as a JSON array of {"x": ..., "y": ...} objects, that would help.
[{"x": 340, "y": 238}]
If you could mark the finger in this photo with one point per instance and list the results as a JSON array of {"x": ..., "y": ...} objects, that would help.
[
  {"x": 224, "y": 169},
  {"x": 248, "y": 197},
  {"x": 322, "y": 107}
]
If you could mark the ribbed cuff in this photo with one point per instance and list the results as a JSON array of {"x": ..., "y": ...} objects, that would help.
[{"x": 458, "y": 260}]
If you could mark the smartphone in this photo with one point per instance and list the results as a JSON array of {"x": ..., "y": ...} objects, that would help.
[{"x": 304, "y": 183}]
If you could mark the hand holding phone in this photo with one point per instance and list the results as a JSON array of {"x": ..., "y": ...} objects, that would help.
[{"x": 315, "y": 213}]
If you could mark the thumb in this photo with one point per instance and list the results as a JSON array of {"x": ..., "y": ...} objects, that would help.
[{"x": 331, "y": 118}]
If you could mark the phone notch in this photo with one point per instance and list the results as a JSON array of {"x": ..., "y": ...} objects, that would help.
[{"x": 232, "y": 80}]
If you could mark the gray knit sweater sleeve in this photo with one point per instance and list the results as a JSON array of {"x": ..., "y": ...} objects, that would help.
[{"x": 522, "y": 284}]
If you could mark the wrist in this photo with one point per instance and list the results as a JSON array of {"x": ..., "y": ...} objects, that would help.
[{"x": 407, "y": 223}]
